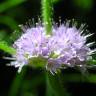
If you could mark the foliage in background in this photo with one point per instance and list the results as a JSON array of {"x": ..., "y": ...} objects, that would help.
[
  {"x": 84, "y": 5},
  {"x": 8, "y": 4},
  {"x": 4, "y": 46},
  {"x": 5, "y": 20}
]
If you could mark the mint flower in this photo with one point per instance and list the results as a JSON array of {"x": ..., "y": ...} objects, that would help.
[{"x": 65, "y": 47}]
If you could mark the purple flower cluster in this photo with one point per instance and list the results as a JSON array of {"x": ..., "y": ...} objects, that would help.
[{"x": 65, "y": 47}]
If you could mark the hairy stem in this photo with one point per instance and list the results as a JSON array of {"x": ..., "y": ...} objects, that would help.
[{"x": 47, "y": 15}]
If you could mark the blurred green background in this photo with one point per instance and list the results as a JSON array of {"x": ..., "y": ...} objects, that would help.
[{"x": 17, "y": 12}]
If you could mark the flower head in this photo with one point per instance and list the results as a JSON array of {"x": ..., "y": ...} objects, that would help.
[{"x": 66, "y": 46}]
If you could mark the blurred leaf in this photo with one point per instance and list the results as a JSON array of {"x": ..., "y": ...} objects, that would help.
[
  {"x": 92, "y": 78},
  {"x": 55, "y": 1},
  {"x": 55, "y": 86},
  {"x": 15, "y": 35},
  {"x": 17, "y": 83},
  {"x": 10, "y": 22},
  {"x": 9, "y": 4},
  {"x": 13, "y": 25},
  {"x": 74, "y": 77},
  {"x": 26, "y": 84},
  {"x": 77, "y": 77},
  {"x": 84, "y": 4},
  {"x": 31, "y": 83},
  {"x": 2, "y": 35},
  {"x": 4, "y": 46},
  {"x": 91, "y": 62}
]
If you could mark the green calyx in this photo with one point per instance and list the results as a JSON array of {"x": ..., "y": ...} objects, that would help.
[{"x": 37, "y": 62}]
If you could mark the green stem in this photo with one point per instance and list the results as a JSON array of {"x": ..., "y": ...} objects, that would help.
[{"x": 46, "y": 15}]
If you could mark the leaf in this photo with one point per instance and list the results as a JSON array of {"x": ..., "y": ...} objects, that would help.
[
  {"x": 77, "y": 77},
  {"x": 91, "y": 62},
  {"x": 10, "y": 22},
  {"x": 83, "y": 4},
  {"x": 55, "y": 86},
  {"x": 9, "y": 4},
  {"x": 13, "y": 25},
  {"x": 17, "y": 83},
  {"x": 26, "y": 84},
  {"x": 14, "y": 36},
  {"x": 2, "y": 35},
  {"x": 55, "y": 1},
  {"x": 4, "y": 46}
]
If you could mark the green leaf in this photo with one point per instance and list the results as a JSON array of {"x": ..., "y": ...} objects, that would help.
[
  {"x": 2, "y": 35},
  {"x": 4, "y": 46},
  {"x": 10, "y": 22},
  {"x": 77, "y": 77},
  {"x": 17, "y": 83},
  {"x": 23, "y": 86},
  {"x": 13, "y": 25},
  {"x": 55, "y": 86},
  {"x": 9, "y": 4},
  {"x": 83, "y": 4},
  {"x": 55, "y": 1},
  {"x": 92, "y": 78},
  {"x": 14, "y": 35},
  {"x": 91, "y": 62}
]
